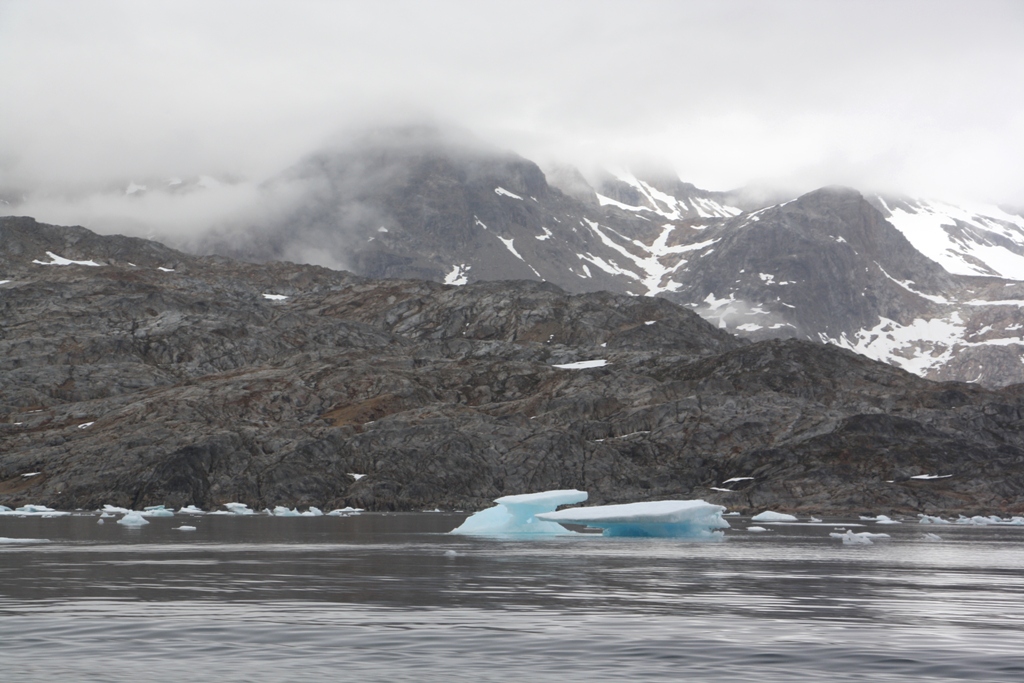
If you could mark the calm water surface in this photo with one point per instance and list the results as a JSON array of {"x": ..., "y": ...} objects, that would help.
[{"x": 381, "y": 597}]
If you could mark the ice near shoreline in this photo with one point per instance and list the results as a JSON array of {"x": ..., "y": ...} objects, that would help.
[
  {"x": 533, "y": 514},
  {"x": 517, "y": 514}
]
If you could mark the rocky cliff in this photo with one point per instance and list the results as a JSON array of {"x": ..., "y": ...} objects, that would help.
[{"x": 133, "y": 374}]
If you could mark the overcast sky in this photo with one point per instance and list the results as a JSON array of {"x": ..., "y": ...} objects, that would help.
[{"x": 920, "y": 97}]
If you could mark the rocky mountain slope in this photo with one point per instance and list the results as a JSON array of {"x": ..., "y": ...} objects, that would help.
[
  {"x": 935, "y": 290},
  {"x": 133, "y": 374}
]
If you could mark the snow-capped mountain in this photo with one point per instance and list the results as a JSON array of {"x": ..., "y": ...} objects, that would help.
[{"x": 933, "y": 288}]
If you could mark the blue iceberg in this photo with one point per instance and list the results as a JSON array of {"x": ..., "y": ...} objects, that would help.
[
  {"x": 664, "y": 518},
  {"x": 519, "y": 515}
]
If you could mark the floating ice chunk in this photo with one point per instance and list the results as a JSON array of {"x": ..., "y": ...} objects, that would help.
[
  {"x": 929, "y": 519},
  {"x": 979, "y": 520},
  {"x": 756, "y": 529},
  {"x": 5, "y": 539},
  {"x": 582, "y": 365},
  {"x": 236, "y": 509},
  {"x": 61, "y": 261},
  {"x": 157, "y": 511},
  {"x": 313, "y": 512},
  {"x": 184, "y": 528},
  {"x": 885, "y": 519},
  {"x": 4, "y": 508},
  {"x": 344, "y": 512},
  {"x": 33, "y": 511},
  {"x": 931, "y": 537},
  {"x": 769, "y": 516},
  {"x": 862, "y": 538},
  {"x": 191, "y": 510},
  {"x": 450, "y": 553},
  {"x": 133, "y": 518},
  {"x": 815, "y": 520},
  {"x": 110, "y": 510},
  {"x": 101, "y": 521},
  {"x": 281, "y": 511},
  {"x": 663, "y": 518},
  {"x": 517, "y": 514},
  {"x": 275, "y": 297}
]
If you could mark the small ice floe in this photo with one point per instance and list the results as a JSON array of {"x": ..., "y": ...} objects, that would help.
[
  {"x": 101, "y": 521},
  {"x": 756, "y": 529},
  {"x": 862, "y": 538},
  {"x": 931, "y": 476},
  {"x": 275, "y": 297},
  {"x": 313, "y": 512},
  {"x": 86, "y": 425},
  {"x": 184, "y": 527},
  {"x": 885, "y": 519},
  {"x": 111, "y": 510},
  {"x": 771, "y": 516},
  {"x": 133, "y": 519},
  {"x": 516, "y": 514},
  {"x": 730, "y": 514},
  {"x": 157, "y": 511},
  {"x": 5, "y": 540},
  {"x": 582, "y": 364},
  {"x": 234, "y": 509},
  {"x": 691, "y": 519},
  {"x": 355, "y": 476},
  {"x": 33, "y": 511},
  {"x": 165, "y": 270},
  {"x": 56, "y": 260},
  {"x": 344, "y": 512},
  {"x": 282, "y": 511},
  {"x": 929, "y": 519},
  {"x": 450, "y": 553},
  {"x": 980, "y": 520},
  {"x": 815, "y": 520},
  {"x": 931, "y": 537},
  {"x": 191, "y": 510}
]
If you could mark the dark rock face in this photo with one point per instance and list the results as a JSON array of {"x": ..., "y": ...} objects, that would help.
[
  {"x": 826, "y": 266},
  {"x": 131, "y": 385}
]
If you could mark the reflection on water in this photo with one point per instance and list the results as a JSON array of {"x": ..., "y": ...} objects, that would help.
[{"x": 381, "y": 597}]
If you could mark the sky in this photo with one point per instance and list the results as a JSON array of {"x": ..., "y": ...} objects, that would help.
[{"x": 917, "y": 97}]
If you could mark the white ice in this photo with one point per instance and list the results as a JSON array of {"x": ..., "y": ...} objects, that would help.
[
  {"x": 5, "y": 539},
  {"x": 191, "y": 510},
  {"x": 281, "y": 511},
  {"x": 517, "y": 514},
  {"x": 165, "y": 270},
  {"x": 931, "y": 537},
  {"x": 502, "y": 192},
  {"x": 157, "y": 511},
  {"x": 735, "y": 479},
  {"x": 862, "y": 538},
  {"x": 929, "y": 519},
  {"x": 133, "y": 518},
  {"x": 344, "y": 512},
  {"x": 931, "y": 476},
  {"x": 769, "y": 516},
  {"x": 56, "y": 260},
  {"x": 756, "y": 529},
  {"x": 33, "y": 511},
  {"x": 980, "y": 520},
  {"x": 582, "y": 364},
  {"x": 459, "y": 275},
  {"x": 185, "y": 528},
  {"x": 663, "y": 518},
  {"x": 275, "y": 297},
  {"x": 355, "y": 476},
  {"x": 885, "y": 519},
  {"x": 234, "y": 509}
]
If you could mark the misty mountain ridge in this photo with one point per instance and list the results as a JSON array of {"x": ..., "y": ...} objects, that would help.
[{"x": 930, "y": 287}]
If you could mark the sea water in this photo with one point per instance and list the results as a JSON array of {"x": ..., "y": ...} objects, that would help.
[{"x": 393, "y": 597}]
